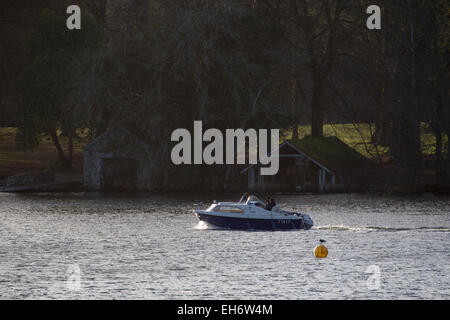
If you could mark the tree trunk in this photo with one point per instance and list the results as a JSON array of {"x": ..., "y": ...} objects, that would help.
[
  {"x": 447, "y": 130},
  {"x": 294, "y": 107},
  {"x": 412, "y": 115},
  {"x": 316, "y": 105},
  {"x": 70, "y": 157},
  {"x": 61, "y": 155},
  {"x": 440, "y": 171},
  {"x": 295, "y": 132},
  {"x": 382, "y": 123},
  {"x": 438, "y": 158}
]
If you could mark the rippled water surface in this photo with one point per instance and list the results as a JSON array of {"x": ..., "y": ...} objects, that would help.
[{"x": 151, "y": 247}]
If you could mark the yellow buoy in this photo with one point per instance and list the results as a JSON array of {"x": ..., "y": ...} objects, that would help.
[{"x": 321, "y": 251}]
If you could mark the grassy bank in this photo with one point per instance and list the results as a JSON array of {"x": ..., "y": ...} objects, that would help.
[
  {"x": 44, "y": 157},
  {"x": 358, "y": 136}
]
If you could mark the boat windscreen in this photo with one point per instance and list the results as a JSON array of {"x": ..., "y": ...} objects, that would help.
[
  {"x": 253, "y": 198},
  {"x": 242, "y": 198}
]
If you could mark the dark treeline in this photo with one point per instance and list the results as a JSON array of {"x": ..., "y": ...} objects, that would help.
[{"x": 156, "y": 65}]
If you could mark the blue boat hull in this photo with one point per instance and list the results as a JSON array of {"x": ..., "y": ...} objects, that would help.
[{"x": 252, "y": 224}]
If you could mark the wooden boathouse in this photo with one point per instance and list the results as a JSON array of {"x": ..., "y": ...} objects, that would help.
[{"x": 324, "y": 164}]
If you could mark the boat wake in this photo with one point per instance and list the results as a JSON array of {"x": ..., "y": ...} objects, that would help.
[
  {"x": 379, "y": 229},
  {"x": 201, "y": 225}
]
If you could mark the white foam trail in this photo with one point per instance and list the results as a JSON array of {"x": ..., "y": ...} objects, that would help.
[
  {"x": 371, "y": 228},
  {"x": 202, "y": 225}
]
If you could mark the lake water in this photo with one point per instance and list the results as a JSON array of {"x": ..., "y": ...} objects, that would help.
[{"x": 90, "y": 246}]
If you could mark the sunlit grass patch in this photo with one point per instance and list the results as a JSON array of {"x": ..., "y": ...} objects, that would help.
[
  {"x": 44, "y": 157},
  {"x": 358, "y": 136}
]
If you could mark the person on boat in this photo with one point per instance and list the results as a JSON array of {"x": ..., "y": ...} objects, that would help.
[
  {"x": 270, "y": 204},
  {"x": 259, "y": 204}
]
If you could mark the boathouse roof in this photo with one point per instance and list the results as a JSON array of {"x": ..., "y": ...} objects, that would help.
[
  {"x": 116, "y": 138},
  {"x": 329, "y": 153}
]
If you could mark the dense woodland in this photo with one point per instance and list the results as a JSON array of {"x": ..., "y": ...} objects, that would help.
[{"x": 155, "y": 65}]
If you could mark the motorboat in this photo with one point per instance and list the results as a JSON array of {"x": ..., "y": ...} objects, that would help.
[{"x": 250, "y": 213}]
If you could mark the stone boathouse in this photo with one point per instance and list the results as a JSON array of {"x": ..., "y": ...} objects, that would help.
[{"x": 117, "y": 161}]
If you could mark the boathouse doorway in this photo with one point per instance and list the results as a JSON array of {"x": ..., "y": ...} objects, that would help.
[{"x": 119, "y": 174}]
